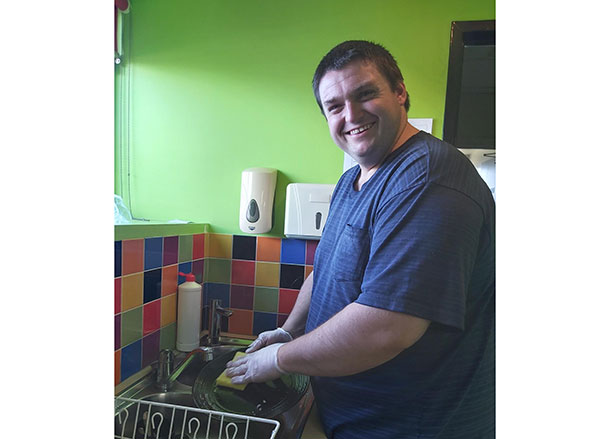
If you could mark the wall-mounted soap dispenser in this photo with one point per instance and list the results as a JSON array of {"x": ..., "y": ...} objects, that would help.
[{"x": 256, "y": 205}]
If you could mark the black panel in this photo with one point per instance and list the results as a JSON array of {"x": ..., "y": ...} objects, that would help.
[{"x": 469, "y": 120}]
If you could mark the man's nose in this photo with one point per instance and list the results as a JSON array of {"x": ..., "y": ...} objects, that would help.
[{"x": 353, "y": 111}]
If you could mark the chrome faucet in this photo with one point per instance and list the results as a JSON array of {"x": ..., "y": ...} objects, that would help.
[
  {"x": 166, "y": 365},
  {"x": 216, "y": 312},
  {"x": 166, "y": 374}
]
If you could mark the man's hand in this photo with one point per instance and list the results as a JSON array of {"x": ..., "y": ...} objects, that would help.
[
  {"x": 268, "y": 338},
  {"x": 259, "y": 367}
]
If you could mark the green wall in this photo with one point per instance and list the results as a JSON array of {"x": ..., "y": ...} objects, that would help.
[{"x": 217, "y": 87}]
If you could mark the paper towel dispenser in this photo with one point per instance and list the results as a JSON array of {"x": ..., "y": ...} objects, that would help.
[{"x": 306, "y": 209}]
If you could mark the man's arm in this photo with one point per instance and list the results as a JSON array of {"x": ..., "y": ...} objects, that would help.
[{"x": 357, "y": 338}]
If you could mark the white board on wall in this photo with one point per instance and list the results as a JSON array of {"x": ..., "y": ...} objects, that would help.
[{"x": 423, "y": 124}]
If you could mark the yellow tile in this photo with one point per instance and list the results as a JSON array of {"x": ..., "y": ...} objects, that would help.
[
  {"x": 267, "y": 274},
  {"x": 132, "y": 291},
  {"x": 219, "y": 246},
  {"x": 168, "y": 309}
]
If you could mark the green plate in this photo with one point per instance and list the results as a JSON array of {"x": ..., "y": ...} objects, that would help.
[{"x": 257, "y": 399}]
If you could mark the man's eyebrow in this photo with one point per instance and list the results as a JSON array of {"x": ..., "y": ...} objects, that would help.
[
  {"x": 356, "y": 91},
  {"x": 364, "y": 86}
]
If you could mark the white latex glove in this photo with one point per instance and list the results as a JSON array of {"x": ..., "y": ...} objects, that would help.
[
  {"x": 259, "y": 367},
  {"x": 267, "y": 338}
]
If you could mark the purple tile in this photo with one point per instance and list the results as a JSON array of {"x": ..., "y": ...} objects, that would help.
[
  {"x": 242, "y": 297},
  {"x": 197, "y": 270},
  {"x": 170, "y": 250},
  {"x": 150, "y": 348},
  {"x": 311, "y": 251},
  {"x": 117, "y": 332},
  {"x": 281, "y": 319}
]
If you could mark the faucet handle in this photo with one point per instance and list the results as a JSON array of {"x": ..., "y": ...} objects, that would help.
[{"x": 166, "y": 365}]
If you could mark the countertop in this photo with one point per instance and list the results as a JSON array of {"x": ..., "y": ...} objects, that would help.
[{"x": 313, "y": 427}]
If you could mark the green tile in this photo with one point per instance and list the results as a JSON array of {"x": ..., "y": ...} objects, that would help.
[
  {"x": 131, "y": 326},
  {"x": 185, "y": 248},
  {"x": 217, "y": 270},
  {"x": 168, "y": 337},
  {"x": 266, "y": 299}
]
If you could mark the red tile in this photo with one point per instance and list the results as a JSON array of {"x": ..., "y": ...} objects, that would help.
[
  {"x": 241, "y": 322},
  {"x": 133, "y": 256},
  {"x": 242, "y": 272},
  {"x": 151, "y": 317},
  {"x": 287, "y": 300},
  {"x": 198, "y": 246},
  {"x": 117, "y": 295}
]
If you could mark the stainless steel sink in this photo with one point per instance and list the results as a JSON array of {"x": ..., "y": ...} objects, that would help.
[
  {"x": 144, "y": 402},
  {"x": 176, "y": 398}
]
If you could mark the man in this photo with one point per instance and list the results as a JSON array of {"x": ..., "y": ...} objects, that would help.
[{"x": 395, "y": 325}]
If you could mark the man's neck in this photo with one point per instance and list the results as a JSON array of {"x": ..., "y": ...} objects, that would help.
[{"x": 367, "y": 173}]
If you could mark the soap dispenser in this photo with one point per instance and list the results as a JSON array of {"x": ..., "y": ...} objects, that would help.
[
  {"x": 256, "y": 204},
  {"x": 189, "y": 314}
]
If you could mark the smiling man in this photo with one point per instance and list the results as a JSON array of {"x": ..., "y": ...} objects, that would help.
[{"x": 396, "y": 323}]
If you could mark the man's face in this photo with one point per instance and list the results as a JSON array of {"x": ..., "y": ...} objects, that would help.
[{"x": 365, "y": 116}]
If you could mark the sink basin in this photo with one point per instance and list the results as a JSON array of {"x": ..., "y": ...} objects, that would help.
[
  {"x": 144, "y": 404},
  {"x": 197, "y": 361},
  {"x": 176, "y": 398}
]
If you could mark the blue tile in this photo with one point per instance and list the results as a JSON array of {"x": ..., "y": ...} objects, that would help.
[
  {"x": 186, "y": 268},
  {"x": 293, "y": 251},
  {"x": 153, "y": 253},
  {"x": 217, "y": 291},
  {"x": 131, "y": 359},
  {"x": 118, "y": 245},
  {"x": 264, "y": 321},
  {"x": 152, "y": 285}
]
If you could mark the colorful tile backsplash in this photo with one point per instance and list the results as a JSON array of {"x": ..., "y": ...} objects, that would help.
[{"x": 257, "y": 277}]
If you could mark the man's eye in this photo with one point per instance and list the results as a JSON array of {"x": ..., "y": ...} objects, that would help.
[
  {"x": 367, "y": 94},
  {"x": 333, "y": 108}
]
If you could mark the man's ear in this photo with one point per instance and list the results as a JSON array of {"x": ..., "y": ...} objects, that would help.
[{"x": 401, "y": 93}]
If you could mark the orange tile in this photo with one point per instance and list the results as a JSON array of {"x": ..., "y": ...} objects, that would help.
[
  {"x": 133, "y": 256},
  {"x": 169, "y": 280},
  {"x": 132, "y": 291},
  {"x": 267, "y": 274},
  {"x": 219, "y": 246},
  {"x": 241, "y": 322},
  {"x": 168, "y": 309},
  {"x": 308, "y": 270},
  {"x": 117, "y": 367},
  {"x": 268, "y": 249}
]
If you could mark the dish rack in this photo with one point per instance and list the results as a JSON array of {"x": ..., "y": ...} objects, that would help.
[{"x": 139, "y": 419}]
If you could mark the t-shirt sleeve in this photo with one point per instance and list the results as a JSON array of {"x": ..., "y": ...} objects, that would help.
[{"x": 424, "y": 244}]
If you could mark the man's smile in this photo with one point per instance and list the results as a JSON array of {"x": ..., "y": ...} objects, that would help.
[{"x": 360, "y": 129}]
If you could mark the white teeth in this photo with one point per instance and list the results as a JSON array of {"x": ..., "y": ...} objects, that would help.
[{"x": 361, "y": 129}]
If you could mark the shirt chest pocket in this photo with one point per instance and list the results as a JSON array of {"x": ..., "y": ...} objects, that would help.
[{"x": 351, "y": 253}]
